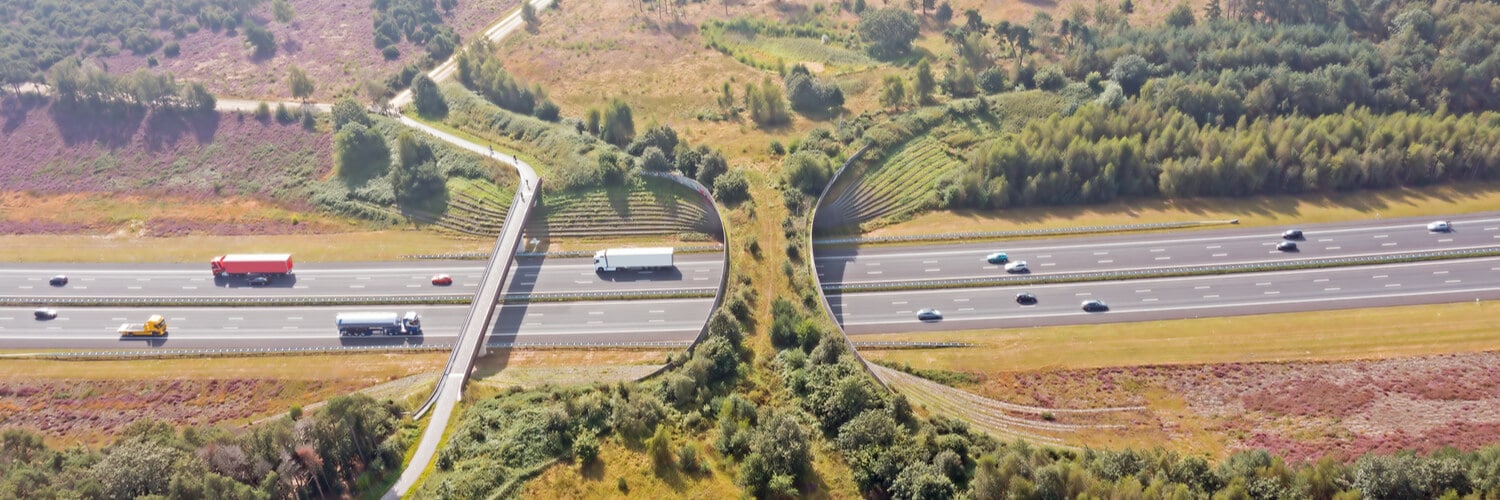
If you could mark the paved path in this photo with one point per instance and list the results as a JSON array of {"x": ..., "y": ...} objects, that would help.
[{"x": 481, "y": 314}]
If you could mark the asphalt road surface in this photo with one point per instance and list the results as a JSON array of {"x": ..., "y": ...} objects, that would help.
[
  {"x": 1144, "y": 251},
  {"x": 267, "y": 327},
  {"x": 531, "y": 274},
  {"x": 1175, "y": 298}
]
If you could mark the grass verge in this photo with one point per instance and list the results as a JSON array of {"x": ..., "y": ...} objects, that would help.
[
  {"x": 1380, "y": 333},
  {"x": 341, "y": 247},
  {"x": 1253, "y": 211}
]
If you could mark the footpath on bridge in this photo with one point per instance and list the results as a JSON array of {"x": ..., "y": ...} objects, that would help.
[{"x": 481, "y": 313}]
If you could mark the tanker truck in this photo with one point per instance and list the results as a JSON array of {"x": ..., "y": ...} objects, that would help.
[{"x": 378, "y": 323}]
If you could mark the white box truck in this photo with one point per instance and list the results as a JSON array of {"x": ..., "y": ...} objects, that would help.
[{"x": 615, "y": 259}]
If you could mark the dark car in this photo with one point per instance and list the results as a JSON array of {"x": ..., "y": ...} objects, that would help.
[
  {"x": 929, "y": 315},
  {"x": 1095, "y": 306},
  {"x": 260, "y": 281},
  {"x": 58, "y": 280},
  {"x": 1286, "y": 246},
  {"x": 1292, "y": 234},
  {"x": 45, "y": 313},
  {"x": 1025, "y": 298}
]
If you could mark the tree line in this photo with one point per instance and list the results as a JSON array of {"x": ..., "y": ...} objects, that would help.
[
  {"x": 480, "y": 70},
  {"x": 1098, "y": 154},
  {"x": 341, "y": 449},
  {"x": 85, "y": 85}
]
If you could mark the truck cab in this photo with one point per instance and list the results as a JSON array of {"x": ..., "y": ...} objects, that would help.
[{"x": 412, "y": 323}]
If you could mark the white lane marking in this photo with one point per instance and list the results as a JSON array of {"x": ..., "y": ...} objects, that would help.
[
  {"x": 873, "y": 264},
  {"x": 1453, "y": 281},
  {"x": 965, "y": 309},
  {"x": 933, "y": 270},
  {"x": 1048, "y": 264},
  {"x": 874, "y": 272},
  {"x": 1083, "y": 294},
  {"x": 528, "y": 283},
  {"x": 1491, "y": 228},
  {"x": 899, "y": 303},
  {"x": 236, "y": 318},
  {"x": 1143, "y": 290},
  {"x": 231, "y": 328},
  {"x": 178, "y": 319},
  {"x": 1155, "y": 250},
  {"x": 133, "y": 287},
  {"x": 1263, "y": 283},
  {"x": 960, "y": 300},
  {"x": 414, "y": 286},
  {"x": 1437, "y": 273},
  {"x": 1380, "y": 276},
  {"x": 657, "y": 321},
  {"x": 356, "y": 286},
  {"x": 143, "y": 279},
  {"x": 1210, "y": 296},
  {"x": 111, "y": 319},
  {"x": 705, "y": 278},
  {"x": 1152, "y": 299},
  {"x": 1271, "y": 292},
  {"x": 596, "y": 313},
  {"x": 1107, "y": 261},
  {"x": 26, "y": 287},
  {"x": 1379, "y": 236},
  {"x": 1446, "y": 240},
  {"x": 1391, "y": 244},
  {"x": 82, "y": 287},
  {"x": 1044, "y": 256},
  {"x": 596, "y": 322},
  {"x": 1201, "y": 287},
  {"x": 291, "y": 327},
  {"x": 1214, "y": 247},
  {"x": 90, "y": 279},
  {"x": 1334, "y": 289},
  {"x": 294, "y": 318},
  {"x": 1334, "y": 248},
  {"x": 1296, "y": 300},
  {"x": 1101, "y": 253},
  {"x": 1320, "y": 280},
  {"x": 1221, "y": 255},
  {"x": 929, "y": 262},
  {"x": 362, "y": 278},
  {"x": 528, "y": 275},
  {"x": 1393, "y": 285},
  {"x": 1164, "y": 258},
  {"x": 656, "y": 311},
  {"x": 1324, "y": 240},
  {"x": 581, "y": 282},
  {"x": 189, "y": 288},
  {"x": 299, "y": 287}
]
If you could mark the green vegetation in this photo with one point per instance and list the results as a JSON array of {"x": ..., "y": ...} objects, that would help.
[
  {"x": 769, "y": 45},
  {"x": 36, "y": 34},
  {"x": 480, "y": 70},
  {"x": 889, "y": 31},
  {"x": 344, "y": 447},
  {"x": 368, "y": 185},
  {"x": 86, "y": 87}
]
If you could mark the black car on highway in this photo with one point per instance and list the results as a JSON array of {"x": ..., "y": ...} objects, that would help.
[
  {"x": 58, "y": 280},
  {"x": 45, "y": 313},
  {"x": 260, "y": 281},
  {"x": 1286, "y": 246},
  {"x": 1292, "y": 234},
  {"x": 1095, "y": 306},
  {"x": 1025, "y": 298},
  {"x": 929, "y": 315}
]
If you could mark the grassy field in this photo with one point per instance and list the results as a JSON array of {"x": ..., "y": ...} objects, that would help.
[
  {"x": 1312, "y": 336},
  {"x": 537, "y": 367},
  {"x": 1254, "y": 211}
]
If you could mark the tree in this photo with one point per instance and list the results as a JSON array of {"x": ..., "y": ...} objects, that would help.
[
  {"x": 301, "y": 84},
  {"x": 282, "y": 10},
  {"x": 1181, "y": 16},
  {"x": 618, "y": 123},
  {"x": 928, "y": 5},
  {"x": 974, "y": 21},
  {"x": 654, "y": 160},
  {"x": 710, "y": 168},
  {"x": 345, "y": 110},
  {"x": 925, "y": 83},
  {"x": 1130, "y": 71},
  {"x": 196, "y": 97},
  {"x": 807, "y": 170},
  {"x": 361, "y": 153},
  {"x": 893, "y": 91},
  {"x": 1127, "y": 7},
  {"x": 944, "y": 12},
  {"x": 889, "y": 31},
  {"x": 528, "y": 14},
  {"x": 427, "y": 98},
  {"x": 732, "y": 187},
  {"x": 922, "y": 481},
  {"x": 260, "y": 38},
  {"x": 1213, "y": 11},
  {"x": 811, "y": 94},
  {"x": 1050, "y": 78}
]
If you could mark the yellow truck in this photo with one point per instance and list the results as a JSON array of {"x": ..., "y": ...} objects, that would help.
[{"x": 156, "y": 326}]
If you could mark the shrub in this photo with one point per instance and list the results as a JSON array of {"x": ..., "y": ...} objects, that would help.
[
  {"x": 283, "y": 115},
  {"x": 390, "y": 52},
  {"x": 547, "y": 110},
  {"x": 732, "y": 188},
  {"x": 426, "y": 97},
  {"x": 687, "y": 458},
  {"x": 172, "y": 49},
  {"x": 659, "y": 447},
  {"x": 263, "y": 112},
  {"x": 1051, "y": 79},
  {"x": 807, "y": 171},
  {"x": 991, "y": 81}
]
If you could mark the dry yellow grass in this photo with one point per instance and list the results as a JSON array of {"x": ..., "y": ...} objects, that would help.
[
  {"x": 1312, "y": 336},
  {"x": 532, "y": 368},
  {"x": 601, "y": 479},
  {"x": 1256, "y": 211}
]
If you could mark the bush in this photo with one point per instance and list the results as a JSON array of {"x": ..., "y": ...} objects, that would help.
[
  {"x": 654, "y": 160},
  {"x": 889, "y": 31},
  {"x": 283, "y": 115},
  {"x": 807, "y": 171},
  {"x": 659, "y": 447},
  {"x": 991, "y": 81},
  {"x": 687, "y": 458},
  {"x": 426, "y": 97},
  {"x": 1051, "y": 79},
  {"x": 548, "y": 110},
  {"x": 390, "y": 52},
  {"x": 263, "y": 112},
  {"x": 172, "y": 49},
  {"x": 260, "y": 38},
  {"x": 732, "y": 188}
]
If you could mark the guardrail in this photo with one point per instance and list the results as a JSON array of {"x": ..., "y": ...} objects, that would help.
[
  {"x": 570, "y": 254},
  {"x": 1019, "y": 233},
  {"x": 1163, "y": 272},
  {"x": 723, "y": 273},
  {"x": 812, "y": 259},
  {"x": 434, "y": 299},
  {"x": 164, "y": 353}
]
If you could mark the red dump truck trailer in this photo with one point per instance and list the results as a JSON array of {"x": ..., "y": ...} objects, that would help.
[{"x": 259, "y": 263}]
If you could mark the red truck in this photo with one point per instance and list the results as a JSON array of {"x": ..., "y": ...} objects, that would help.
[{"x": 243, "y": 264}]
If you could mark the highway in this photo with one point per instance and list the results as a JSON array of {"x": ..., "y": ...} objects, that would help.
[
  {"x": 1157, "y": 250},
  {"x": 271, "y": 327},
  {"x": 533, "y": 274},
  {"x": 1175, "y": 298}
]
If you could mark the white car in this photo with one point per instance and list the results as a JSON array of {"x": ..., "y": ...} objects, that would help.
[
  {"x": 1017, "y": 267},
  {"x": 1441, "y": 226}
]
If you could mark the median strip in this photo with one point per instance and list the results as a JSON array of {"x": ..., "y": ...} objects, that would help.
[{"x": 990, "y": 281}]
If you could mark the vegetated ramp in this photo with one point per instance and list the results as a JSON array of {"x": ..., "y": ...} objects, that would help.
[
  {"x": 892, "y": 189},
  {"x": 649, "y": 207}
]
